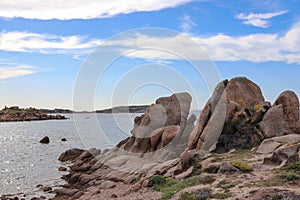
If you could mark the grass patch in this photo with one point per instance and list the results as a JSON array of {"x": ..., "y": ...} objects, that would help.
[
  {"x": 295, "y": 166},
  {"x": 222, "y": 195},
  {"x": 243, "y": 166},
  {"x": 202, "y": 194},
  {"x": 224, "y": 184},
  {"x": 169, "y": 186},
  {"x": 186, "y": 196},
  {"x": 238, "y": 154},
  {"x": 276, "y": 196},
  {"x": 289, "y": 176}
]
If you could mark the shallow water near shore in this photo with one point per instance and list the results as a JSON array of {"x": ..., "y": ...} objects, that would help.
[{"x": 26, "y": 163}]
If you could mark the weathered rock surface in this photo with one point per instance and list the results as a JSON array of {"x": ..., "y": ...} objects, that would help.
[
  {"x": 243, "y": 91},
  {"x": 281, "y": 150},
  {"x": 237, "y": 116},
  {"x": 230, "y": 117},
  {"x": 70, "y": 155},
  {"x": 162, "y": 122}
]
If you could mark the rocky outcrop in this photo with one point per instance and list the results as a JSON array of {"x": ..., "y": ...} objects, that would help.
[
  {"x": 230, "y": 116},
  {"x": 162, "y": 122},
  {"x": 165, "y": 141},
  {"x": 237, "y": 116},
  {"x": 281, "y": 151}
]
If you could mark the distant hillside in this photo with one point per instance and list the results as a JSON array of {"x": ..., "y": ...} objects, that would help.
[
  {"x": 125, "y": 109},
  {"x": 56, "y": 110}
]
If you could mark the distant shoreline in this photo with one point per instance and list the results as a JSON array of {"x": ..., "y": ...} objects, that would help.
[{"x": 16, "y": 114}]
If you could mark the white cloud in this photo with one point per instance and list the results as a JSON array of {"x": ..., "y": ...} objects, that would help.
[
  {"x": 187, "y": 23},
  {"x": 78, "y": 9},
  {"x": 43, "y": 43},
  {"x": 15, "y": 71},
  {"x": 254, "y": 47},
  {"x": 221, "y": 47},
  {"x": 258, "y": 19}
]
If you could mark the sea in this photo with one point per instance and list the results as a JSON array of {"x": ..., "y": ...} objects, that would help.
[{"x": 25, "y": 163}]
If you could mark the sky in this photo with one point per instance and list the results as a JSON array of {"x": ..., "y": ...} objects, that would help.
[{"x": 92, "y": 54}]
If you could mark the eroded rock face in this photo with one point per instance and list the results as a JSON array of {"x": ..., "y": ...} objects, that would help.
[
  {"x": 230, "y": 116},
  {"x": 162, "y": 123}
]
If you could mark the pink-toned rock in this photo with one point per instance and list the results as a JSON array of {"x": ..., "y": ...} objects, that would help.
[
  {"x": 153, "y": 126},
  {"x": 70, "y": 155},
  {"x": 290, "y": 105},
  {"x": 243, "y": 91},
  {"x": 185, "y": 174},
  {"x": 169, "y": 134},
  {"x": 273, "y": 123}
]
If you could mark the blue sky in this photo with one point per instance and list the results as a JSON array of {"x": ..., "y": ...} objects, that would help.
[{"x": 45, "y": 45}]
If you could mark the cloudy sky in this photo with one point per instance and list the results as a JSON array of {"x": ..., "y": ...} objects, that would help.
[{"x": 46, "y": 46}]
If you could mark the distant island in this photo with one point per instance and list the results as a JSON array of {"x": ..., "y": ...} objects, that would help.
[
  {"x": 125, "y": 109},
  {"x": 14, "y": 113}
]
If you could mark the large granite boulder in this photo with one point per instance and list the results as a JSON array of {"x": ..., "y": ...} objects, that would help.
[
  {"x": 243, "y": 91},
  {"x": 283, "y": 117},
  {"x": 290, "y": 105},
  {"x": 273, "y": 123},
  {"x": 162, "y": 123}
]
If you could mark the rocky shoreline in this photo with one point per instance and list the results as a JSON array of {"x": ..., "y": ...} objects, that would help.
[
  {"x": 241, "y": 147},
  {"x": 16, "y": 114}
]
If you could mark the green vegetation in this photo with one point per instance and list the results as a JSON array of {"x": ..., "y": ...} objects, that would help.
[
  {"x": 186, "y": 196},
  {"x": 276, "y": 196},
  {"x": 157, "y": 180},
  {"x": 243, "y": 166},
  {"x": 202, "y": 194},
  {"x": 229, "y": 127},
  {"x": 238, "y": 154},
  {"x": 169, "y": 186},
  {"x": 224, "y": 184},
  {"x": 290, "y": 176},
  {"x": 222, "y": 195},
  {"x": 295, "y": 166}
]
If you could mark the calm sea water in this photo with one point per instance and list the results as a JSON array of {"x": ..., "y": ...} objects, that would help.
[{"x": 25, "y": 162}]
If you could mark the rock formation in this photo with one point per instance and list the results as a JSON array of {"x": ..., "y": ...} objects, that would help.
[
  {"x": 237, "y": 116},
  {"x": 161, "y": 124},
  {"x": 165, "y": 141}
]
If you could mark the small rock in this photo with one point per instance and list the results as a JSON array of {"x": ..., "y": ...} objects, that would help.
[
  {"x": 70, "y": 155},
  {"x": 185, "y": 174},
  {"x": 62, "y": 169},
  {"x": 135, "y": 187},
  {"x": 45, "y": 140},
  {"x": 47, "y": 189},
  {"x": 145, "y": 183},
  {"x": 129, "y": 179},
  {"x": 226, "y": 167},
  {"x": 65, "y": 192},
  {"x": 114, "y": 196},
  {"x": 107, "y": 185},
  {"x": 63, "y": 139}
]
